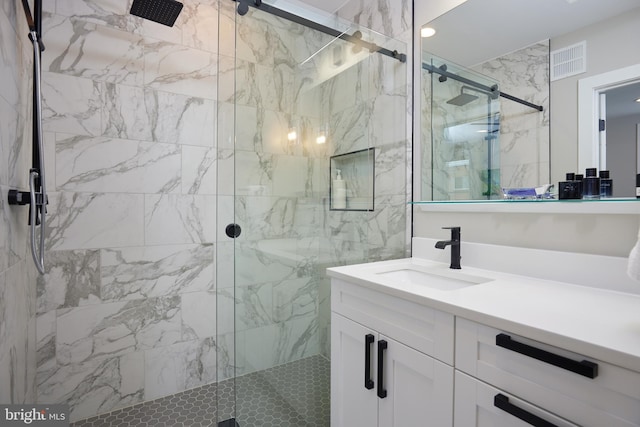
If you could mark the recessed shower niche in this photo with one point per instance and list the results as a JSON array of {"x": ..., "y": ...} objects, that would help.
[{"x": 352, "y": 182}]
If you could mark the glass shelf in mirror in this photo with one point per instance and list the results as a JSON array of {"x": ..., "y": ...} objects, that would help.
[{"x": 619, "y": 206}]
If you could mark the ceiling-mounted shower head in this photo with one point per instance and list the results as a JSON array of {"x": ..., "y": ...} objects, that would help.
[
  {"x": 462, "y": 99},
  {"x": 163, "y": 12}
]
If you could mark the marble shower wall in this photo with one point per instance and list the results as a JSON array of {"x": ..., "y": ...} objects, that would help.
[
  {"x": 157, "y": 138},
  {"x": 127, "y": 309},
  {"x": 524, "y": 132},
  {"x": 17, "y": 273},
  {"x": 289, "y": 235}
]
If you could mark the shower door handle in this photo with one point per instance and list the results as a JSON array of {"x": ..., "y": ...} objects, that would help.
[{"x": 233, "y": 230}]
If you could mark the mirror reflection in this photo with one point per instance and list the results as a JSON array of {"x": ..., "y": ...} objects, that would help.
[{"x": 509, "y": 42}]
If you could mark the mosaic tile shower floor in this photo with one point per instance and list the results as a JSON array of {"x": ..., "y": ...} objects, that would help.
[{"x": 291, "y": 395}]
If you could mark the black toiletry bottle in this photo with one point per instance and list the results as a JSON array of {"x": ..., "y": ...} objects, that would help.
[
  {"x": 569, "y": 189},
  {"x": 638, "y": 186},
  {"x": 606, "y": 185},
  {"x": 579, "y": 179},
  {"x": 591, "y": 184}
]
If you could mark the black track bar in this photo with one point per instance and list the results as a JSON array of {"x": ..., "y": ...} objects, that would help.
[
  {"x": 489, "y": 90},
  {"x": 356, "y": 38}
]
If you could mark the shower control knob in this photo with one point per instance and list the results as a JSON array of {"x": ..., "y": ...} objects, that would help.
[{"x": 233, "y": 230}]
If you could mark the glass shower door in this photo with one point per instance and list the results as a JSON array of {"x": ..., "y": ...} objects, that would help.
[
  {"x": 297, "y": 104},
  {"x": 465, "y": 129}
]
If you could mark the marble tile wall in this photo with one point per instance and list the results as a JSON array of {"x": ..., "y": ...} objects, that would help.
[
  {"x": 159, "y": 137},
  {"x": 17, "y": 273},
  {"x": 524, "y": 132},
  {"x": 127, "y": 309}
]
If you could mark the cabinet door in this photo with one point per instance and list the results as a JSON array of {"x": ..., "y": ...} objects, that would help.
[
  {"x": 419, "y": 389},
  {"x": 352, "y": 404},
  {"x": 475, "y": 406}
]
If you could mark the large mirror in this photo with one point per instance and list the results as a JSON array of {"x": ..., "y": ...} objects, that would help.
[{"x": 509, "y": 42}]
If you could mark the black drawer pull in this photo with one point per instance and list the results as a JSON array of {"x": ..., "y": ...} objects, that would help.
[
  {"x": 584, "y": 368},
  {"x": 501, "y": 401},
  {"x": 382, "y": 346},
  {"x": 368, "y": 340}
]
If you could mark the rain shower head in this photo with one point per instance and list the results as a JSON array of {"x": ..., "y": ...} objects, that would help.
[
  {"x": 163, "y": 12},
  {"x": 462, "y": 99}
]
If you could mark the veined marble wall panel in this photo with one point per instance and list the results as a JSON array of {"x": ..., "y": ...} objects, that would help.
[
  {"x": 72, "y": 280},
  {"x": 272, "y": 345},
  {"x": 179, "y": 367},
  {"x": 155, "y": 271},
  {"x": 199, "y": 167},
  {"x": 390, "y": 170},
  {"x": 17, "y": 274},
  {"x": 524, "y": 132},
  {"x": 17, "y": 334},
  {"x": 94, "y": 220},
  {"x": 77, "y": 49},
  {"x": 179, "y": 219},
  {"x": 270, "y": 87},
  {"x": 71, "y": 104},
  {"x": 180, "y": 69},
  {"x": 116, "y": 165},
  {"x": 389, "y": 17},
  {"x": 95, "y": 386},
  {"x": 137, "y": 113}
]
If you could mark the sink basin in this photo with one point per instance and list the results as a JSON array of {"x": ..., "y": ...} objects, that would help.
[{"x": 444, "y": 280}]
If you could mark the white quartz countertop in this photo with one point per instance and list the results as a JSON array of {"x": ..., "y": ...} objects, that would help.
[{"x": 594, "y": 322}]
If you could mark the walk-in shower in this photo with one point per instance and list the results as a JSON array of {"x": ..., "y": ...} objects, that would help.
[{"x": 161, "y": 138}]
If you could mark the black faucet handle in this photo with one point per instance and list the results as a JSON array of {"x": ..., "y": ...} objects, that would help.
[{"x": 455, "y": 232}]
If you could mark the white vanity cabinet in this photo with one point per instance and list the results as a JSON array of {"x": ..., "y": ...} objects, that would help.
[
  {"x": 576, "y": 389},
  {"x": 383, "y": 372}
]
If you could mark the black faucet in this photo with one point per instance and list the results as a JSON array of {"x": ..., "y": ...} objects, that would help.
[{"x": 455, "y": 246}]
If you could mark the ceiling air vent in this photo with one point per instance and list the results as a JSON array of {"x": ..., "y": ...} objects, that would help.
[{"x": 569, "y": 61}]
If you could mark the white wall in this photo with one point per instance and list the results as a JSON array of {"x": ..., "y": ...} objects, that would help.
[{"x": 611, "y": 44}]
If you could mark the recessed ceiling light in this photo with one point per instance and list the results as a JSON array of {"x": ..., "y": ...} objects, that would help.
[
  {"x": 427, "y": 32},
  {"x": 638, "y": 100}
]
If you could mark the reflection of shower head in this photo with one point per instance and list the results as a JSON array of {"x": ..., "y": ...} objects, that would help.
[
  {"x": 164, "y": 12},
  {"x": 462, "y": 99}
]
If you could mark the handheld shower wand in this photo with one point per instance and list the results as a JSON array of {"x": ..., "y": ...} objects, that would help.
[{"x": 36, "y": 198}]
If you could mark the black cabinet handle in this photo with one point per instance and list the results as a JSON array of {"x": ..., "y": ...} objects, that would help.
[
  {"x": 584, "y": 368},
  {"x": 368, "y": 340},
  {"x": 501, "y": 401},
  {"x": 382, "y": 346}
]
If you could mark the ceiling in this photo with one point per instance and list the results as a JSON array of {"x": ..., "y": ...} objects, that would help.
[{"x": 479, "y": 30}]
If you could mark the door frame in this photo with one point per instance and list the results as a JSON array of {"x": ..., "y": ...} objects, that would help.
[{"x": 589, "y": 90}]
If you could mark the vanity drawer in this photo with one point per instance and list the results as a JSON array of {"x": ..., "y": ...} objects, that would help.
[
  {"x": 552, "y": 378},
  {"x": 425, "y": 329},
  {"x": 478, "y": 404}
]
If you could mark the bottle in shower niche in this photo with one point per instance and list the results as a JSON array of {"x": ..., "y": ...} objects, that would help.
[
  {"x": 591, "y": 185},
  {"x": 606, "y": 185},
  {"x": 339, "y": 192}
]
